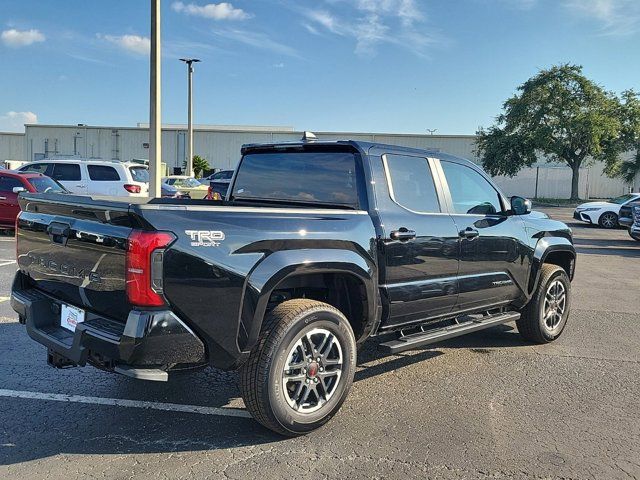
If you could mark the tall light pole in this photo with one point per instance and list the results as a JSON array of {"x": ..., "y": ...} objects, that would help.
[
  {"x": 155, "y": 107},
  {"x": 190, "y": 62}
]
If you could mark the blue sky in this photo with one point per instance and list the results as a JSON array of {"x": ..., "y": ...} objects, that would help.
[{"x": 325, "y": 65}]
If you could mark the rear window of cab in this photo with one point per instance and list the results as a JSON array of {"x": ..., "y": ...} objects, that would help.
[{"x": 320, "y": 177}]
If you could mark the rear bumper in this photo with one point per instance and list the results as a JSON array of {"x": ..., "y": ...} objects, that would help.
[{"x": 148, "y": 340}]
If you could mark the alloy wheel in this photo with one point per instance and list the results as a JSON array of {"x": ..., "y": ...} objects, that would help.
[
  {"x": 555, "y": 304},
  {"x": 312, "y": 371},
  {"x": 608, "y": 220}
]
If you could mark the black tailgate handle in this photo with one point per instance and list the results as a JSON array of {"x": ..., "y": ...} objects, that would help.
[{"x": 59, "y": 232}]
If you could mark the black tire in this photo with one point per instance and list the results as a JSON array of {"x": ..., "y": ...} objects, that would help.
[
  {"x": 262, "y": 384},
  {"x": 532, "y": 324},
  {"x": 608, "y": 220},
  {"x": 636, "y": 236}
]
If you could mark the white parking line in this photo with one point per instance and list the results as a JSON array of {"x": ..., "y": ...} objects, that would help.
[
  {"x": 6, "y": 262},
  {"x": 117, "y": 402},
  {"x": 3, "y": 299}
]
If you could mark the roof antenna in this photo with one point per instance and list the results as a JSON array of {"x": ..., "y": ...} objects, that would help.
[{"x": 309, "y": 137}]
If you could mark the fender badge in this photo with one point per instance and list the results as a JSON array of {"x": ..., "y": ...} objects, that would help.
[{"x": 205, "y": 238}]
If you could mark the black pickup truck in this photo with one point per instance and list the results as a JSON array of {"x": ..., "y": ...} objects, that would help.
[{"x": 317, "y": 247}]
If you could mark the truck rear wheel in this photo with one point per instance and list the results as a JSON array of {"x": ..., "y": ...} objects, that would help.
[
  {"x": 301, "y": 370},
  {"x": 543, "y": 319}
]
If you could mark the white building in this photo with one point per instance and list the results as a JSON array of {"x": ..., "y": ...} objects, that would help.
[{"x": 220, "y": 145}]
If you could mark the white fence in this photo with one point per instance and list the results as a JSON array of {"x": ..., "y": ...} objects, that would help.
[{"x": 549, "y": 181}]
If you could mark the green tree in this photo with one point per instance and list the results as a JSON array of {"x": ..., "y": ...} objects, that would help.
[
  {"x": 559, "y": 114},
  {"x": 630, "y": 114},
  {"x": 200, "y": 165}
]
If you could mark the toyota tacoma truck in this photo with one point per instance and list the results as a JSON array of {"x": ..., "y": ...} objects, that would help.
[{"x": 316, "y": 247}]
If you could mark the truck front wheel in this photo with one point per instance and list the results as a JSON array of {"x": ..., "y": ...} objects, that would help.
[
  {"x": 543, "y": 319},
  {"x": 301, "y": 370}
]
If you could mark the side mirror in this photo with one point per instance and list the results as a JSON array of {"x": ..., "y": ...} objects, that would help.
[
  {"x": 19, "y": 189},
  {"x": 520, "y": 206}
]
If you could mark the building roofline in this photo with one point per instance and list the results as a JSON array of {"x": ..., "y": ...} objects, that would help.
[{"x": 251, "y": 129}]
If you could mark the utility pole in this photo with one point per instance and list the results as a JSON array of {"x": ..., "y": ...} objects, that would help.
[
  {"x": 155, "y": 107},
  {"x": 190, "y": 62}
]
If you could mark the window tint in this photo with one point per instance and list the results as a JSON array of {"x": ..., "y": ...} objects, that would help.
[
  {"x": 36, "y": 168},
  {"x": 103, "y": 173},
  {"x": 7, "y": 184},
  {"x": 311, "y": 177},
  {"x": 470, "y": 191},
  {"x": 411, "y": 183},
  {"x": 66, "y": 172},
  {"x": 139, "y": 174}
]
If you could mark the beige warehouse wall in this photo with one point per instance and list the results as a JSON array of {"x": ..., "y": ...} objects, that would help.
[{"x": 221, "y": 146}]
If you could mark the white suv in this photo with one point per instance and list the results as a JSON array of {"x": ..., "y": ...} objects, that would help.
[{"x": 95, "y": 177}]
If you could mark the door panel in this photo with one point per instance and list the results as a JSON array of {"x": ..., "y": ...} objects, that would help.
[
  {"x": 9, "y": 207},
  {"x": 493, "y": 265},
  {"x": 420, "y": 243}
]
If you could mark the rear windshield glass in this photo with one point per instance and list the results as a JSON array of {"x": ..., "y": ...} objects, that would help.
[
  {"x": 46, "y": 185},
  {"x": 139, "y": 174},
  {"x": 310, "y": 177}
]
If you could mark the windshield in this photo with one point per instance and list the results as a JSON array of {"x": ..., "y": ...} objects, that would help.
[
  {"x": 312, "y": 177},
  {"x": 621, "y": 199},
  {"x": 46, "y": 185},
  {"x": 139, "y": 174}
]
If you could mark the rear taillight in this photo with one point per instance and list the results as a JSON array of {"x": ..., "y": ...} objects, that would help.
[
  {"x": 132, "y": 188},
  {"x": 145, "y": 252}
]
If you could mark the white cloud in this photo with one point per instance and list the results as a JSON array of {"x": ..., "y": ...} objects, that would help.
[
  {"x": 256, "y": 40},
  {"x": 278, "y": 65},
  {"x": 131, "y": 43},
  {"x": 21, "y": 38},
  {"x": 14, "y": 121},
  {"x": 616, "y": 17},
  {"x": 324, "y": 19},
  {"x": 374, "y": 22},
  {"x": 214, "y": 11}
]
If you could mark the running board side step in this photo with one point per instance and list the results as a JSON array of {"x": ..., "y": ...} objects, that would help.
[{"x": 427, "y": 337}]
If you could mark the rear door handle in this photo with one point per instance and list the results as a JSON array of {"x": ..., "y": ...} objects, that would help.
[
  {"x": 469, "y": 233},
  {"x": 403, "y": 234},
  {"x": 3, "y": 198}
]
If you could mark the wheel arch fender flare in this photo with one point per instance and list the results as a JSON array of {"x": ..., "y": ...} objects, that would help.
[
  {"x": 278, "y": 266},
  {"x": 557, "y": 247}
]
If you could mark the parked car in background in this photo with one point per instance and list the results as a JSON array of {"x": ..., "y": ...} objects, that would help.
[
  {"x": 187, "y": 185},
  {"x": 95, "y": 177},
  {"x": 12, "y": 183},
  {"x": 169, "y": 191},
  {"x": 634, "y": 229},
  {"x": 625, "y": 217},
  {"x": 606, "y": 213}
]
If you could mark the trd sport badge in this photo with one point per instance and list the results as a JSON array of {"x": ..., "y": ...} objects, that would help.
[{"x": 205, "y": 238}]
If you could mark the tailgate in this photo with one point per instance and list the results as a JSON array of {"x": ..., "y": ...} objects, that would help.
[{"x": 74, "y": 249}]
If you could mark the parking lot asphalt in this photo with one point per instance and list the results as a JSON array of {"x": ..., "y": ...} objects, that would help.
[{"x": 483, "y": 405}]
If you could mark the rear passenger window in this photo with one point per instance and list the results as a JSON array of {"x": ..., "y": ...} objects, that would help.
[
  {"x": 66, "y": 172},
  {"x": 411, "y": 184},
  {"x": 103, "y": 173}
]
